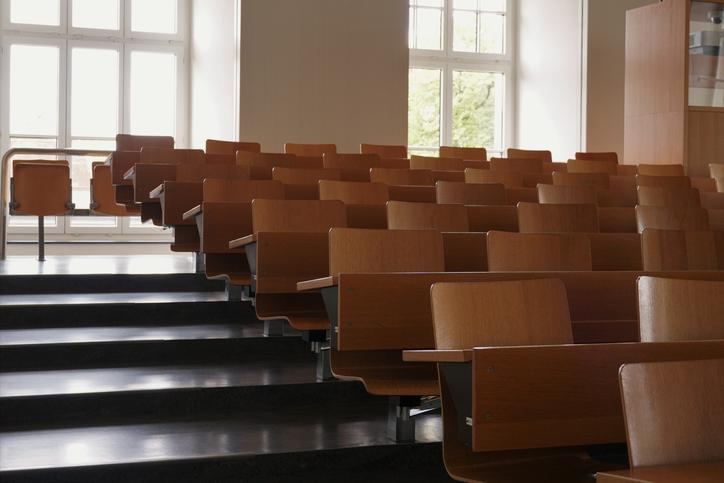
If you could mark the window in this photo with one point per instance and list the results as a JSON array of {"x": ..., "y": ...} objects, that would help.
[
  {"x": 460, "y": 74},
  {"x": 77, "y": 72}
]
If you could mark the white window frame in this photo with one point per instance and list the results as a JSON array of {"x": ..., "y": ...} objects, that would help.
[
  {"x": 66, "y": 37},
  {"x": 448, "y": 61}
]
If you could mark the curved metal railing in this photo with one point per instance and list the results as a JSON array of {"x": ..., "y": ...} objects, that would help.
[{"x": 4, "y": 180}]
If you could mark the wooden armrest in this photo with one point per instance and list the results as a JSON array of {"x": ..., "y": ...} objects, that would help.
[
  {"x": 130, "y": 174},
  {"x": 156, "y": 192},
  {"x": 465, "y": 355},
  {"x": 192, "y": 212},
  {"x": 243, "y": 241},
  {"x": 317, "y": 283}
]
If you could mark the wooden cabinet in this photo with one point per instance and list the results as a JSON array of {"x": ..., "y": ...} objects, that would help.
[{"x": 674, "y": 107}]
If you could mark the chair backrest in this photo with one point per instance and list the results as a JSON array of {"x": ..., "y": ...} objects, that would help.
[
  {"x": 214, "y": 146},
  {"x": 281, "y": 160},
  {"x": 40, "y": 188},
  {"x": 585, "y": 166},
  {"x": 517, "y": 165},
  {"x": 351, "y": 192},
  {"x": 533, "y": 252},
  {"x": 661, "y": 169},
  {"x": 220, "y": 158},
  {"x": 669, "y": 197},
  {"x": 510, "y": 313},
  {"x": 353, "y": 161},
  {"x": 129, "y": 142},
  {"x": 392, "y": 151},
  {"x": 544, "y": 156},
  {"x": 682, "y": 250},
  {"x": 673, "y": 411},
  {"x": 309, "y": 149},
  {"x": 426, "y": 216},
  {"x": 304, "y": 176},
  {"x": 598, "y": 180},
  {"x": 660, "y": 218},
  {"x": 679, "y": 309},
  {"x": 402, "y": 177},
  {"x": 306, "y": 216},
  {"x": 507, "y": 178},
  {"x": 567, "y": 195},
  {"x": 603, "y": 156},
  {"x": 434, "y": 163},
  {"x": 712, "y": 201},
  {"x": 199, "y": 172},
  {"x": 663, "y": 181},
  {"x": 538, "y": 218},
  {"x": 450, "y": 192},
  {"x": 156, "y": 155},
  {"x": 240, "y": 190},
  {"x": 468, "y": 154},
  {"x": 372, "y": 251}
]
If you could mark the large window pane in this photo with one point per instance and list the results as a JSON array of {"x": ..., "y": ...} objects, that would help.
[
  {"x": 96, "y": 14},
  {"x": 424, "y": 108},
  {"x": 94, "y": 92},
  {"x": 34, "y": 89},
  {"x": 428, "y": 28},
  {"x": 35, "y": 12},
  {"x": 477, "y": 109},
  {"x": 492, "y": 33},
  {"x": 154, "y": 16},
  {"x": 153, "y": 93},
  {"x": 464, "y": 31}
]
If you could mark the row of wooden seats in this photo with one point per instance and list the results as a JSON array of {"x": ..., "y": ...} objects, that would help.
[{"x": 490, "y": 348}]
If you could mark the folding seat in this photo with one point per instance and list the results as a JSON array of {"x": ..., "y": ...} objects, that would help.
[
  {"x": 391, "y": 151},
  {"x": 310, "y": 149}
]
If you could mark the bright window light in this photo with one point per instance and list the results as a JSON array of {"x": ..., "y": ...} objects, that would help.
[
  {"x": 34, "y": 89},
  {"x": 153, "y": 93},
  {"x": 96, "y": 14},
  {"x": 35, "y": 12},
  {"x": 154, "y": 16},
  {"x": 94, "y": 92}
]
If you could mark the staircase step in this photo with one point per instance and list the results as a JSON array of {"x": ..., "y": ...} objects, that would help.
[
  {"x": 78, "y": 396},
  {"x": 319, "y": 442}
]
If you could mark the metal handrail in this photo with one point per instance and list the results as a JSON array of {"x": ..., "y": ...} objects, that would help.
[{"x": 4, "y": 187}]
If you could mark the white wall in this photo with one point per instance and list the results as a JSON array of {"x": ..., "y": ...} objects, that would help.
[
  {"x": 324, "y": 71},
  {"x": 213, "y": 71},
  {"x": 605, "y": 62},
  {"x": 548, "y": 80}
]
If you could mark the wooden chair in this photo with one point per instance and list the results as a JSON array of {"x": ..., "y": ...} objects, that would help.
[
  {"x": 470, "y": 194},
  {"x": 682, "y": 250},
  {"x": 678, "y": 309},
  {"x": 598, "y": 180},
  {"x": 402, "y": 177},
  {"x": 434, "y": 163},
  {"x": 471, "y": 154},
  {"x": 517, "y": 165},
  {"x": 426, "y": 216},
  {"x": 566, "y": 195},
  {"x": 310, "y": 149},
  {"x": 214, "y": 146},
  {"x": 661, "y": 170},
  {"x": 582, "y": 166},
  {"x": 102, "y": 195},
  {"x": 663, "y": 181},
  {"x": 526, "y": 252},
  {"x": 544, "y": 156},
  {"x": 603, "y": 156},
  {"x": 504, "y": 177},
  {"x": 716, "y": 171},
  {"x": 128, "y": 142},
  {"x": 538, "y": 218},
  {"x": 689, "y": 219},
  {"x": 384, "y": 150},
  {"x": 669, "y": 197},
  {"x": 156, "y": 165},
  {"x": 673, "y": 416},
  {"x": 350, "y": 192},
  {"x": 352, "y": 167}
]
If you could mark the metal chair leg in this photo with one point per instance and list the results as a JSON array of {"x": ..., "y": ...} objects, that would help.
[{"x": 41, "y": 238}]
